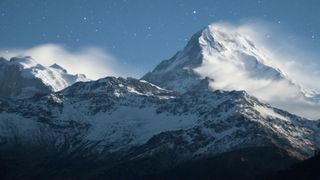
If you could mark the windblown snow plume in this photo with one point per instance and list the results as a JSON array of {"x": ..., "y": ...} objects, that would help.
[{"x": 232, "y": 60}]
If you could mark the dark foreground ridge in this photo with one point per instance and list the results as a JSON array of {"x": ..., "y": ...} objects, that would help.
[
  {"x": 249, "y": 163},
  {"x": 308, "y": 169}
]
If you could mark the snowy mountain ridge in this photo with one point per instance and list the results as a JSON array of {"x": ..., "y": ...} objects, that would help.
[
  {"x": 216, "y": 44},
  {"x": 24, "y": 77},
  {"x": 120, "y": 114},
  {"x": 231, "y": 61}
]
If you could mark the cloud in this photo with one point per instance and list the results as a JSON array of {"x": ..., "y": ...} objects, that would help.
[
  {"x": 92, "y": 61},
  {"x": 286, "y": 51},
  {"x": 235, "y": 67},
  {"x": 297, "y": 63}
]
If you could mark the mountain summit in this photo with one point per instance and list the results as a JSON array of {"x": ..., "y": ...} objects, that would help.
[
  {"x": 24, "y": 76},
  {"x": 224, "y": 50},
  {"x": 228, "y": 59}
]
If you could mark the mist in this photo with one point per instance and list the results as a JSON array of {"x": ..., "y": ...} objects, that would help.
[
  {"x": 295, "y": 89},
  {"x": 94, "y": 62}
]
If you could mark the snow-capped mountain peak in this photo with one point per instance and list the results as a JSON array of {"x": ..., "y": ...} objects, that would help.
[
  {"x": 57, "y": 66},
  {"x": 24, "y": 76},
  {"x": 232, "y": 61},
  {"x": 23, "y": 62},
  {"x": 219, "y": 46}
]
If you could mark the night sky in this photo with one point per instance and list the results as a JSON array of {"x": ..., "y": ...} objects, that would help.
[{"x": 144, "y": 32}]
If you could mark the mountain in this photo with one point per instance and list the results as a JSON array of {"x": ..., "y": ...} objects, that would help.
[
  {"x": 226, "y": 58},
  {"x": 23, "y": 77},
  {"x": 217, "y": 47},
  {"x": 126, "y": 123},
  {"x": 195, "y": 116}
]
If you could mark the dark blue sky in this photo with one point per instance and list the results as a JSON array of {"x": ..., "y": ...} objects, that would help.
[{"x": 142, "y": 32}]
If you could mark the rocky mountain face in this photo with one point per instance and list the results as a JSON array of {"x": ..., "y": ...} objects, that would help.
[
  {"x": 23, "y": 77},
  {"x": 132, "y": 120}
]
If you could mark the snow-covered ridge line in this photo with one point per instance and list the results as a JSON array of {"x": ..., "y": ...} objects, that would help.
[
  {"x": 25, "y": 76},
  {"x": 123, "y": 113},
  {"x": 53, "y": 76}
]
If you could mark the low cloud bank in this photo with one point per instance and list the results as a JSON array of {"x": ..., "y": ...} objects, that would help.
[{"x": 94, "y": 62}]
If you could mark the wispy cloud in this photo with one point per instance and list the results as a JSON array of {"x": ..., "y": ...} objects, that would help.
[
  {"x": 294, "y": 59},
  {"x": 92, "y": 61},
  {"x": 287, "y": 51},
  {"x": 231, "y": 70}
]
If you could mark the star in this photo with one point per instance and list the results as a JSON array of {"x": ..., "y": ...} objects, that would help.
[
  {"x": 149, "y": 27},
  {"x": 313, "y": 37},
  {"x": 84, "y": 18},
  {"x": 194, "y": 12}
]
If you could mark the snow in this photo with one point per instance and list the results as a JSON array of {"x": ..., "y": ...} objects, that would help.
[
  {"x": 136, "y": 124},
  {"x": 212, "y": 148},
  {"x": 57, "y": 66},
  {"x": 117, "y": 93},
  {"x": 23, "y": 62},
  {"x": 233, "y": 61},
  {"x": 132, "y": 90},
  {"x": 209, "y": 121},
  {"x": 54, "y": 76},
  {"x": 268, "y": 112},
  {"x": 15, "y": 126},
  {"x": 123, "y": 113},
  {"x": 146, "y": 82}
]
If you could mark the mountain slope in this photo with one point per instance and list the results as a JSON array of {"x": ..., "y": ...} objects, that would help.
[
  {"x": 122, "y": 113},
  {"x": 227, "y": 59},
  {"x": 219, "y": 46},
  {"x": 122, "y": 124},
  {"x": 23, "y": 77}
]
